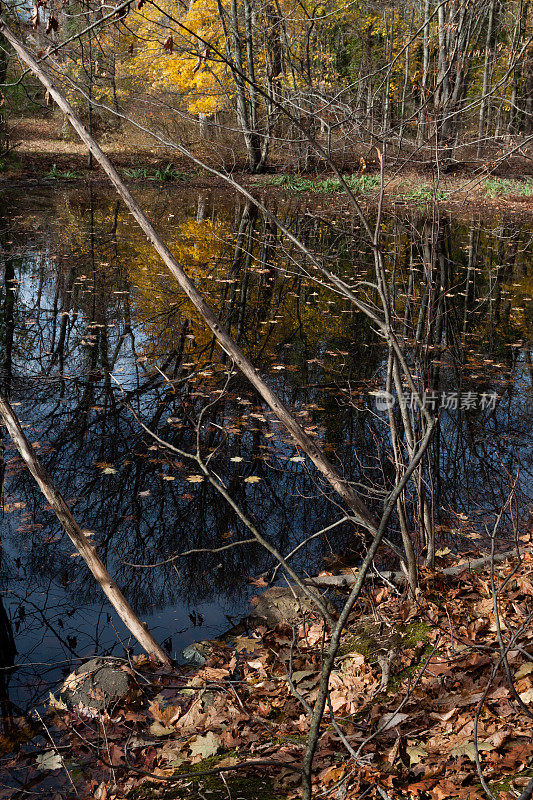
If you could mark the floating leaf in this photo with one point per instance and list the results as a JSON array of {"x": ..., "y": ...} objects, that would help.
[
  {"x": 55, "y": 704},
  {"x": 258, "y": 581}
]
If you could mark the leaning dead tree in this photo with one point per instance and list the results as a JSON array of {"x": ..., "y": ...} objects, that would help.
[{"x": 78, "y": 537}]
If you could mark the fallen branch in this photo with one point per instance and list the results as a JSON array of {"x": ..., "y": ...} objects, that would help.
[
  {"x": 80, "y": 541},
  {"x": 397, "y": 578}
]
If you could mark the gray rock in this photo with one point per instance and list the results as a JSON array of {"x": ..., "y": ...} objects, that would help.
[
  {"x": 278, "y": 604},
  {"x": 96, "y": 685}
]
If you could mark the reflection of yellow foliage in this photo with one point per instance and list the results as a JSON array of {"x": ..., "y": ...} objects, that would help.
[{"x": 159, "y": 303}]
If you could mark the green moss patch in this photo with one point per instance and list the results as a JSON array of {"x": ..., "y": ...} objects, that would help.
[
  {"x": 241, "y": 785},
  {"x": 369, "y": 637}
]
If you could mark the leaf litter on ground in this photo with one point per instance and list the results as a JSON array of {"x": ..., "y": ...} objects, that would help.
[{"x": 414, "y": 741}]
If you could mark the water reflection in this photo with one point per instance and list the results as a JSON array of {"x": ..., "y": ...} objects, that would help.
[{"x": 94, "y": 331}]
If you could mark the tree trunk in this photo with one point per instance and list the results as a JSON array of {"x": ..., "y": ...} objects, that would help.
[
  {"x": 484, "y": 104},
  {"x": 423, "y": 112},
  {"x": 4, "y": 135},
  {"x": 254, "y": 154}
]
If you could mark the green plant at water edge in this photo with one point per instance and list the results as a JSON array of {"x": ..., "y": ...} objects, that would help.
[
  {"x": 500, "y": 187},
  {"x": 295, "y": 183},
  {"x": 137, "y": 172},
  {"x": 168, "y": 173},
  {"x": 425, "y": 194},
  {"x": 57, "y": 175}
]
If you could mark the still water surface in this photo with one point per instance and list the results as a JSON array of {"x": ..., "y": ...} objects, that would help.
[{"x": 96, "y": 337}]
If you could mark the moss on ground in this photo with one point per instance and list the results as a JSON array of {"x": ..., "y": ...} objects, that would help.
[
  {"x": 242, "y": 786},
  {"x": 368, "y": 638},
  {"x": 507, "y": 784}
]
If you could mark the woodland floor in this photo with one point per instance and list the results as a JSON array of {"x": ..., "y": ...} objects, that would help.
[
  {"x": 448, "y": 700},
  {"x": 43, "y": 154}
]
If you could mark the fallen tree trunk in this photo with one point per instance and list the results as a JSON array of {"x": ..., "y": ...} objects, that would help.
[
  {"x": 398, "y": 578},
  {"x": 283, "y": 414},
  {"x": 78, "y": 538}
]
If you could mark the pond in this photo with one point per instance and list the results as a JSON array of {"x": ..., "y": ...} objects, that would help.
[{"x": 96, "y": 338}]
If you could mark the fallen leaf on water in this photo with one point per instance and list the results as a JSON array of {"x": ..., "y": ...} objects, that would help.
[
  {"x": 55, "y": 704},
  {"x": 257, "y": 582}
]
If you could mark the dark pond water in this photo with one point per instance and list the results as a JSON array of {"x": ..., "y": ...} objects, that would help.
[{"x": 95, "y": 336}]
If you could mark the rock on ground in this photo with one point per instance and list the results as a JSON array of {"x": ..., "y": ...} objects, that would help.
[
  {"x": 96, "y": 685},
  {"x": 280, "y": 604}
]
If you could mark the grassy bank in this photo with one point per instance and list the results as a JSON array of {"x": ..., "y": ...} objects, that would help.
[{"x": 43, "y": 154}]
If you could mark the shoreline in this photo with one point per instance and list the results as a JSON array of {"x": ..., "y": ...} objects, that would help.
[{"x": 402, "y": 193}]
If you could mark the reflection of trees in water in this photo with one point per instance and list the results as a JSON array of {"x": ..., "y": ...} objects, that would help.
[
  {"x": 8, "y": 651},
  {"x": 457, "y": 346},
  {"x": 102, "y": 306}
]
